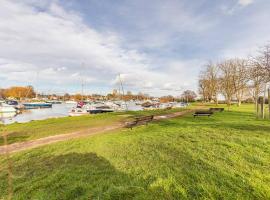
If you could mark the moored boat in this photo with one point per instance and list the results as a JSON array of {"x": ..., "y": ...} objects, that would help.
[
  {"x": 100, "y": 109},
  {"x": 78, "y": 112},
  {"x": 54, "y": 102},
  {"x": 70, "y": 102},
  {"x": 8, "y": 115},
  {"x": 34, "y": 105},
  {"x": 5, "y": 108},
  {"x": 12, "y": 102}
]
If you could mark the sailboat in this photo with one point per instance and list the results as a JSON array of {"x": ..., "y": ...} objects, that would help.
[{"x": 123, "y": 103}]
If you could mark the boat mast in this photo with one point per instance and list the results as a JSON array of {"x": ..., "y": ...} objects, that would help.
[
  {"x": 82, "y": 90},
  {"x": 37, "y": 84},
  {"x": 82, "y": 84},
  {"x": 121, "y": 86}
]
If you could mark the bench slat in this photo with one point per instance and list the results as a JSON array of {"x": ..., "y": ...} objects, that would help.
[
  {"x": 216, "y": 109},
  {"x": 139, "y": 121}
]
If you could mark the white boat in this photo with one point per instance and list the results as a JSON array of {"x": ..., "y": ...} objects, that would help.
[
  {"x": 116, "y": 106},
  {"x": 96, "y": 108},
  {"x": 9, "y": 115},
  {"x": 180, "y": 105},
  {"x": 78, "y": 112},
  {"x": 70, "y": 102},
  {"x": 5, "y": 108}
]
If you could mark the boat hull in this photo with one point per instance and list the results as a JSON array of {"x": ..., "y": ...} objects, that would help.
[
  {"x": 99, "y": 111},
  {"x": 37, "y": 105},
  {"x": 72, "y": 114},
  {"x": 7, "y": 110},
  {"x": 54, "y": 102}
]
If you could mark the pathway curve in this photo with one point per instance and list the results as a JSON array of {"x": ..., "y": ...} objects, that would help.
[{"x": 20, "y": 146}]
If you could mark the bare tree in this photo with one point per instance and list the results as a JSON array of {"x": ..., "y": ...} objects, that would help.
[
  {"x": 240, "y": 77},
  {"x": 264, "y": 61},
  {"x": 209, "y": 82},
  {"x": 265, "y": 64},
  {"x": 189, "y": 95},
  {"x": 234, "y": 77},
  {"x": 227, "y": 80},
  {"x": 203, "y": 89},
  {"x": 212, "y": 75},
  {"x": 256, "y": 82},
  {"x": 261, "y": 65}
]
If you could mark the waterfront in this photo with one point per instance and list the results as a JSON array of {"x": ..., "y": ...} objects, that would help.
[{"x": 57, "y": 110}]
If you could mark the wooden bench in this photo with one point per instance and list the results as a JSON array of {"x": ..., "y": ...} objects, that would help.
[
  {"x": 143, "y": 120},
  {"x": 216, "y": 109},
  {"x": 203, "y": 113},
  {"x": 168, "y": 108}
]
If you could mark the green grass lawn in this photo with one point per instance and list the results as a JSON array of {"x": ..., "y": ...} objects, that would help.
[
  {"x": 226, "y": 156},
  {"x": 19, "y": 132}
]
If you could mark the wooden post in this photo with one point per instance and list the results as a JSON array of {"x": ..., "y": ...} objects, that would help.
[{"x": 262, "y": 107}]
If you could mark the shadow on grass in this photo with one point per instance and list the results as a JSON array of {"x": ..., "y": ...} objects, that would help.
[
  {"x": 71, "y": 176},
  {"x": 15, "y": 137},
  {"x": 88, "y": 176}
]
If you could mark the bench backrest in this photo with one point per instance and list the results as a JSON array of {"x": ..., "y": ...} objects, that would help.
[
  {"x": 144, "y": 118},
  {"x": 217, "y": 109},
  {"x": 198, "y": 112}
]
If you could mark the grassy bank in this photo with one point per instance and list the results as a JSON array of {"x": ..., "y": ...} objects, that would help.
[
  {"x": 19, "y": 132},
  {"x": 225, "y": 156}
]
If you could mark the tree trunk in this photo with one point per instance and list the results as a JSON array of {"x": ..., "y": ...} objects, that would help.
[
  {"x": 216, "y": 100},
  {"x": 264, "y": 96},
  {"x": 257, "y": 98},
  {"x": 257, "y": 107},
  {"x": 239, "y": 102},
  {"x": 262, "y": 107},
  {"x": 229, "y": 103}
]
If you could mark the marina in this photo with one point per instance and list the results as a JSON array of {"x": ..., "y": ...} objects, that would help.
[{"x": 39, "y": 110}]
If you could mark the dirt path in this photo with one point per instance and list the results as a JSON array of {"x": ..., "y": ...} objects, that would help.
[
  {"x": 172, "y": 115},
  {"x": 20, "y": 146}
]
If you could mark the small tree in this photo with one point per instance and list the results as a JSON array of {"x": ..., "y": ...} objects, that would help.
[
  {"x": 227, "y": 80},
  {"x": 189, "y": 96},
  {"x": 19, "y": 92},
  {"x": 240, "y": 78},
  {"x": 209, "y": 82}
]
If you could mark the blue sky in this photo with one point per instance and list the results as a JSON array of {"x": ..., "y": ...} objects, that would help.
[{"x": 158, "y": 47}]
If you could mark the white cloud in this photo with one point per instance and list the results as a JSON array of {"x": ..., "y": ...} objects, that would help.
[
  {"x": 232, "y": 9},
  {"x": 63, "y": 51},
  {"x": 55, "y": 43},
  {"x": 41, "y": 37},
  {"x": 245, "y": 2}
]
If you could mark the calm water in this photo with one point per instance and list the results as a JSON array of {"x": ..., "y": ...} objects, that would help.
[{"x": 57, "y": 110}]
